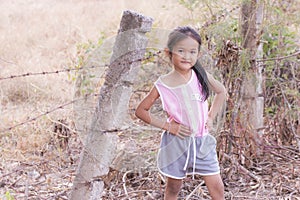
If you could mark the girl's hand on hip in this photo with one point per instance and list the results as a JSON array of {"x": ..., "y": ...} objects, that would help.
[
  {"x": 179, "y": 130},
  {"x": 209, "y": 124}
]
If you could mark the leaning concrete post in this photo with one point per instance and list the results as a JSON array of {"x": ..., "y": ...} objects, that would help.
[{"x": 111, "y": 113}]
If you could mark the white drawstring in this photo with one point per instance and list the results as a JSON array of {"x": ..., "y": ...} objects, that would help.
[
  {"x": 195, "y": 152},
  {"x": 188, "y": 155}
]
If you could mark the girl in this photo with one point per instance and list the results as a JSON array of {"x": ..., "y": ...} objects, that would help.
[{"x": 186, "y": 145}]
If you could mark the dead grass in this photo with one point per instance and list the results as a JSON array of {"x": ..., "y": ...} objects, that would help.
[
  {"x": 37, "y": 36},
  {"x": 41, "y": 36}
]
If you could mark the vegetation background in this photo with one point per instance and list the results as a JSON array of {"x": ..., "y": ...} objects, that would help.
[{"x": 40, "y": 152}]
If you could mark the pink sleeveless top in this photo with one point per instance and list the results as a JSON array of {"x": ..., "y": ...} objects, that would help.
[{"x": 185, "y": 104}]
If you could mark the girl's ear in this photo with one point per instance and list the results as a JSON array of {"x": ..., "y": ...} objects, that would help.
[{"x": 168, "y": 53}]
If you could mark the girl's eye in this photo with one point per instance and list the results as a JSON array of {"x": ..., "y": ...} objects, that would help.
[{"x": 193, "y": 52}]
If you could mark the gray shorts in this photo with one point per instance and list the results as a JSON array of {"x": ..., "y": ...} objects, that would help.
[{"x": 193, "y": 155}]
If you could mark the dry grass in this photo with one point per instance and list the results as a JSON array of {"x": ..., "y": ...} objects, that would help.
[{"x": 37, "y": 36}]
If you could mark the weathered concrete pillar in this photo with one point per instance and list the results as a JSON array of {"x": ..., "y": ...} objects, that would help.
[{"x": 111, "y": 113}]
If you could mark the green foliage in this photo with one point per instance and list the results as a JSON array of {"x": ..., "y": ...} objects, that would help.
[
  {"x": 150, "y": 56},
  {"x": 203, "y": 11},
  {"x": 82, "y": 76},
  {"x": 9, "y": 196},
  {"x": 189, "y": 4},
  {"x": 278, "y": 40},
  {"x": 215, "y": 20},
  {"x": 225, "y": 30},
  {"x": 84, "y": 50},
  {"x": 280, "y": 37}
]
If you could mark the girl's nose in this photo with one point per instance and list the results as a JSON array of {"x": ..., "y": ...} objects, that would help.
[{"x": 186, "y": 55}]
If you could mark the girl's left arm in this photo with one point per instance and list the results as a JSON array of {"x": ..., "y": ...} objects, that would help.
[{"x": 220, "y": 96}]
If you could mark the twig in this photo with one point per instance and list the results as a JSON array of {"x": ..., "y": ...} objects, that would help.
[
  {"x": 289, "y": 106},
  {"x": 132, "y": 192},
  {"x": 12, "y": 184},
  {"x": 64, "y": 125},
  {"x": 124, "y": 182},
  {"x": 26, "y": 188},
  {"x": 162, "y": 178},
  {"x": 285, "y": 157},
  {"x": 192, "y": 193},
  {"x": 150, "y": 195},
  {"x": 279, "y": 58},
  {"x": 294, "y": 192},
  {"x": 279, "y": 147},
  {"x": 242, "y": 168}
]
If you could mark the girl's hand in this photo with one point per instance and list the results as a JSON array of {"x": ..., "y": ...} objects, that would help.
[
  {"x": 179, "y": 129},
  {"x": 209, "y": 124}
]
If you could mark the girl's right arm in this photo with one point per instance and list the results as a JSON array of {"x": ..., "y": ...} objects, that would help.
[{"x": 143, "y": 110}]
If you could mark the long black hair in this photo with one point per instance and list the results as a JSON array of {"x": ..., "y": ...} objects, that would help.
[{"x": 181, "y": 33}]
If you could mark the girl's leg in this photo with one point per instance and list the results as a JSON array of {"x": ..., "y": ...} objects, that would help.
[
  {"x": 215, "y": 186},
  {"x": 173, "y": 188}
]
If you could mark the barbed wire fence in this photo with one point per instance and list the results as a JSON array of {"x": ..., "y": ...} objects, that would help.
[
  {"x": 68, "y": 70},
  {"x": 217, "y": 18},
  {"x": 150, "y": 56},
  {"x": 214, "y": 20}
]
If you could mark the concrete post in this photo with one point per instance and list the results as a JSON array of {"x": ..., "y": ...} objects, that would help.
[{"x": 111, "y": 113}]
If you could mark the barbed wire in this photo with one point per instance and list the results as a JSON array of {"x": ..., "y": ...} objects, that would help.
[
  {"x": 47, "y": 112},
  {"x": 151, "y": 55},
  {"x": 148, "y": 57},
  {"x": 49, "y": 72},
  {"x": 280, "y": 58},
  {"x": 27, "y": 74}
]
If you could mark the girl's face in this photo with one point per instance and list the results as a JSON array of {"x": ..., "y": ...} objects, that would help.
[{"x": 185, "y": 54}]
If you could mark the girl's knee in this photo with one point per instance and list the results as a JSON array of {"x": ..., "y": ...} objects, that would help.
[
  {"x": 173, "y": 186},
  {"x": 215, "y": 186}
]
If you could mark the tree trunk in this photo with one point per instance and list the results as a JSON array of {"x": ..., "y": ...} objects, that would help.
[
  {"x": 111, "y": 113},
  {"x": 253, "y": 100}
]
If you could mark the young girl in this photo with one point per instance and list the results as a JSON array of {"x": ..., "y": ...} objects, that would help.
[{"x": 186, "y": 145}]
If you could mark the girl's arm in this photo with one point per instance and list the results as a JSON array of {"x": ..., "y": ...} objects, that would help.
[
  {"x": 220, "y": 96},
  {"x": 143, "y": 110}
]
